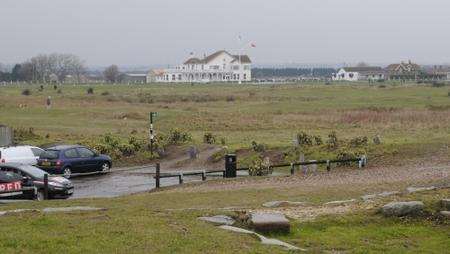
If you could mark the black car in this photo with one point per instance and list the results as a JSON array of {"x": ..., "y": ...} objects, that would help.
[
  {"x": 33, "y": 178},
  {"x": 67, "y": 160},
  {"x": 11, "y": 185}
]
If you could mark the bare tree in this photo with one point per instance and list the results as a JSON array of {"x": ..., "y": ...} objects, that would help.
[
  {"x": 61, "y": 65},
  {"x": 112, "y": 74}
]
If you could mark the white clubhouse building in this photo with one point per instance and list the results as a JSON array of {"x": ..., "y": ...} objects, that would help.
[{"x": 218, "y": 67}]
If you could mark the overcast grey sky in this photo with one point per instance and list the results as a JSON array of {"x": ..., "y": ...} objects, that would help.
[{"x": 148, "y": 32}]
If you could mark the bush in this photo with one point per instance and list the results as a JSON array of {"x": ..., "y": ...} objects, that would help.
[
  {"x": 176, "y": 137},
  {"x": 59, "y": 91},
  {"x": 105, "y": 93},
  {"x": 26, "y": 92},
  {"x": 223, "y": 141},
  {"x": 23, "y": 134},
  {"x": 55, "y": 87},
  {"x": 259, "y": 148},
  {"x": 41, "y": 88},
  {"x": 90, "y": 90},
  {"x": 359, "y": 141},
  {"x": 332, "y": 142},
  {"x": 318, "y": 140},
  {"x": 260, "y": 167},
  {"x": 209, "y": 138},
  {"x": 382, "y": 86},
  {"x": 304, "y": 139}
]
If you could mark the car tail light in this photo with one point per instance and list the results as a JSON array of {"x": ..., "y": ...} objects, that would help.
[{"x": 58, "y": 163}]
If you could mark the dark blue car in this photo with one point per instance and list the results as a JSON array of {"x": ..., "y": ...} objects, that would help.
[{"x": 68, "y": 160}]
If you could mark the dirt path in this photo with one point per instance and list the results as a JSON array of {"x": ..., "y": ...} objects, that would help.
[
  {"x": 182, "y": 162},
  {"x": 372, "y": 176}
]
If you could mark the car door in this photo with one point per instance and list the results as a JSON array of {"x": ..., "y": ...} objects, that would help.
[
  {"x": 89, "y": 161},
  {"x": 73, "y": 158}
]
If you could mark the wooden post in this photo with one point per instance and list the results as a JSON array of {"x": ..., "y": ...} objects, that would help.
[
  {"x": 180, "y": 178},
  {"x": 203, "y": 175},
  {"x": 158, "y": 174},
  {"x": 46, "y": 186},
  {"x": 292, "y": 169}
]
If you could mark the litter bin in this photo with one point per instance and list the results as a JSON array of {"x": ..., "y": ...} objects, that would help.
[{"x": 230, "y": 165}]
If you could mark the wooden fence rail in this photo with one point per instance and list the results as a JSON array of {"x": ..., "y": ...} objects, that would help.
[{"x": 362, "y": 162}]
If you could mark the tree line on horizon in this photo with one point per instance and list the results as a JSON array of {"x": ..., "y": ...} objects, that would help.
[{"x": 53, "y": 68}]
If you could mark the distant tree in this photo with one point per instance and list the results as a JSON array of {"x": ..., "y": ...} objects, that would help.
[
  {"x": 112, "y": 74},
  {"x": 15, "y": 73}
]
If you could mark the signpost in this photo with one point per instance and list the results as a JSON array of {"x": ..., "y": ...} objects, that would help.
[{"x": 152, "y": 135}]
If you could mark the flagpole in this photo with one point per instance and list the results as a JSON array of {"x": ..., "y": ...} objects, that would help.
[{"x": 240, "y": 62}]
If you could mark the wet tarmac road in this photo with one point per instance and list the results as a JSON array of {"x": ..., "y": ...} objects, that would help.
[{"x": 120, "y": 183}]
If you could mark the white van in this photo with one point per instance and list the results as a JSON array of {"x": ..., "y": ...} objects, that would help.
[{"x": 20, "y": 154}]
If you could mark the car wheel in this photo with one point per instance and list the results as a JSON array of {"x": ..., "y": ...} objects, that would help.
[
  {"x": 105, "y": 167},
  {"x": 40, "y": 196},
  {"x": 67, "y": 173}
]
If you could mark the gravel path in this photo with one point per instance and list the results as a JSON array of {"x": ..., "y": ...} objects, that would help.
[{"x": 371, "y": 176}]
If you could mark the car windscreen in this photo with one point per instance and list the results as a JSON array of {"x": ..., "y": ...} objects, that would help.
[
  {"x": 49, "y": 154},
  {"x": 33, "y": 171}
]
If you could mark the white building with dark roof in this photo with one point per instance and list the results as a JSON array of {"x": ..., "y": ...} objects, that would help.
[
  {"x": 218, "y": 67},
  {"x": 359, "y": 73}
]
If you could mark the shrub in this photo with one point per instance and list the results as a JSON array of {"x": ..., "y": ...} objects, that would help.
[
  {"x": 260, "y": 167},
  {"x": 90, "y": 90},
  {"x": 359, "y": 141},
  {"x": 259, "y": 148},
  {"x": 332, "y": 142},
  {"x": 105, "y": 93},
  {"x": 303, "y": 139},
  {"x": 23, "y": 134},
  {"x": 41, "y": 88},
  {"x": 223, "y": 141},
  {"x": 26, "y": 92},
  {"x": 382, "y": 86},
  {"x": 178, "y": 137},
  {"x": 55, "y": 87},
  {"x": 318, "y": 140},
  {"x": 59, "y": 91},
  {"x": 209, "y": 138}
]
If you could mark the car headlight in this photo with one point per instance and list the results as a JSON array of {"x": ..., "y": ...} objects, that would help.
[{"x": 55, "y": 184}]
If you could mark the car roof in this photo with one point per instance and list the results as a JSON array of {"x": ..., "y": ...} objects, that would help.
[
  {"x": 62, "y": 147},
  {"x": 11, "y": 164},
  {"x": 25, "y": 146}
]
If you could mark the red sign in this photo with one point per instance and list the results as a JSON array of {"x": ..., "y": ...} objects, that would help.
[{"x": 10, "y": 186}]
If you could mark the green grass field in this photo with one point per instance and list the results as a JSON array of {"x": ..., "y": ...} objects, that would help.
[{"x": 411, "y": 119}]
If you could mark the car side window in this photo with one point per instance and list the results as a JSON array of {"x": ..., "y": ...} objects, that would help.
[
  {"x": 71, "y": 153},
  {"x": 85, "y": 153},
  {"x": 37, "y": 152}
]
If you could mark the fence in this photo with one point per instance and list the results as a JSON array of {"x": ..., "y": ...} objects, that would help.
[
  {"x": 6, "y": 136},
  {"x": 362, "y": 162}
]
